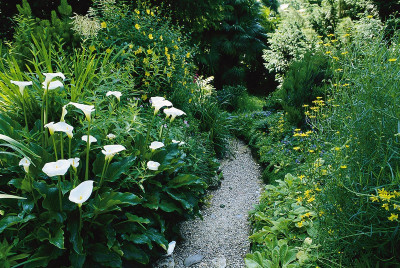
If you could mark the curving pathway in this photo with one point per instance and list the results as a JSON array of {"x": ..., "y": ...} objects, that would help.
[{"x": 221, "y": 237}]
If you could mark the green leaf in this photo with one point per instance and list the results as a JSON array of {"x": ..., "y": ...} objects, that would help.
[
  {"x": 132, "y": 252},
  {"x": 105, "y": 256},
  {"x": 169, "y": 207},
  {"x": 135, "y": 218},
  {"x": 58, "y": 239},
  {"x": 116, "y": 169},
  {"x": 9, "y": 221},
  {"x": 185, "y": 180},
  {"x": 77, "y": 260},
  {"x": 110, "y": 201},
  {"x": 75, "y": 237}
]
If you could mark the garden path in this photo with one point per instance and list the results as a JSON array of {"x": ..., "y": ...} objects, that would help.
[{"x": 222, "y": 236}]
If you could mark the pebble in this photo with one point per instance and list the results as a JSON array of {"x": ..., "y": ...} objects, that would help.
[
  {"x": 223, "y": 233},
  {"x": 193, "y": 259}
]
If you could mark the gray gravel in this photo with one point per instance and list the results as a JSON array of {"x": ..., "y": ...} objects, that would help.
[{"x": 224, "y": 231}]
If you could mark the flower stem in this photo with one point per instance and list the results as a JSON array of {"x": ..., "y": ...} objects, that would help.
[
  {"x": 62, "y": 145},
  {"x": 60, "y": 193},
  {"x": 87, "y": 153},
  {"x": 45, "y": 115},
  {"x": 105, "y": 167},
  {"x": 55, "y": 148},
  {"x": 69, "y": 148},
  {"x": 23, "y": 105},
  {"x": 80, "y": 218},
  {"x": 148, "y": 131},
  {"x": 42, "y": 121}
]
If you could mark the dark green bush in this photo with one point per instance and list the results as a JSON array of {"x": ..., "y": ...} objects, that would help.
[{"x": 306, "y": 79}]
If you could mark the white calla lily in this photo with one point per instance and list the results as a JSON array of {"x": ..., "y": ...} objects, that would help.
[
  {"x": 159, "y": 104},
  {"x": 111, "y": 150},
  {"x": 51, "y": 76},
  {"x": 2, "y": 196},
  {"x": 86, "y": 109},
  {"x": 64, "y": 113},
  {"x": 156, "y": 145},
  {"x": 81, "y": 193},
  {"x": 51, "y": 128},
  {"x": 52, "y": 85},
  {"x": 21, "y": 85},
  {"x": 173, "y": 112},
  {"x": 58, "y": 168},
  {"x": 179, "y": 142},
  {"x": 117, "y": 94},
  {"x": 156, "y": 99},
  {"x": 152, "y": 165},
  {"x": 64, "y": 127},
  {"x": 171, "y": 247},
  {"x": 25, "y": 163},
  {"x": 91, "y": 138},
  {"x": 111, "y": 136},
  {"x": 74, "y": 162}
]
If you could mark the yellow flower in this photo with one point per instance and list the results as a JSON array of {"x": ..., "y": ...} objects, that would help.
[
  {"x": 137, "y": 26},
  {"x": 147, "y": 73},
  {"x": 299, "y": 199},
  {"x": 374, "y": 198},
  {"x": 296, "y": 148},
  {"x": 188, "y": 55},
  {"x": 321, "y": 213},
  {"x": 392, "y": 60},
  {"x": 144, "y": 97},
  {"x": 130, "y": 46},
  {"x": 343, "y": 166},
  {"x": 312, "y": 198},
  {"x": 190, "y": 100},
  {"x": 108, "y": 50},
  {"x": 299, "y": 224},
  {"x": 393, "y": 217},
  {"x": 370, "y": 16},
  {"x": 328, "y": 52},
  {"x": 311, "y": 151},
  {"x": 161, "y": 38},
  {"x": 103, "y": 24},
  {"x": 335, "y": 58},
  {"x": 305, "y": 105},
  {"x": 344, "y": 53},
  {"x": 386, "y": 206},
  {"x": 148, "y": 11},
  {"x": 150, "y": 36},
  {"x": 337, "y": 148},
  {"x": 92, "y": 48},
  {"x": 149, "y": 51},
  {"x": 137, "y": 11}
]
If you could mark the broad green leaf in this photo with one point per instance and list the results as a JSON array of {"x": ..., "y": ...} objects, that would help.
[
  {"x": 9, "y": 221},
  {"x": 58, "y": 239},
  {"x": 132, "y": 252},
  {"x": 116, "y": 169},
  {"x": 185, "y": 180},
  {"x": 104, "y": 256},
  {"x": 135, "y": 218}
]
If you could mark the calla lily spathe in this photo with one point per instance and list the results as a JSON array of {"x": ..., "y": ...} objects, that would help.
[
  {"x": 64, "y": 127},
  {"x": 179, "y": 142},
  {"x": 171, "y": 247},
  {"x": 51, "y": 128},
  {"x": 156, "y": 145},
  {"x": 156, "y": 99},
  {"x": 58, "y": 168},
  {"x": 173, "y": 112},
  {"x": 52, "y": 85},
  {"x": 25, "y": 163},
  {"x": 81, "y": 193},
  {"x": 91, "y": 138},
  {"x": 2, "y": 196},
  {"x": 74, "y": 162},
  {"x": 51, "y": 76},
  {"x": 117, "y": 94},
  {"x": 64, "y": 113},
  {"x": 158, "y": 103},
  {"x": 86, "y": 109},
  {"x": 111, "y": 136},
  {"x": 21, "y": 85},
  {"x": 152, "y": 165},
  {"x": 111, "y": 150}
]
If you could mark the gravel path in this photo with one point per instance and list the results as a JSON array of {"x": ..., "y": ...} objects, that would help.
[{"x": 223, "y": 232}]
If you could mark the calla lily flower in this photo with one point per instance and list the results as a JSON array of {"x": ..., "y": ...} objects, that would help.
[
  {"x": 64, "y": 113},
  {"x": 21, "y": 85},
  {"x": 179, "y": 142},
  {"x": 58, "y": 168},
  {"x": 52, "y": 85},
  {"x": 86, "y": 109},
  {"x": 159, "y": 104},
  {"x": 111, "y": 136},
  {"x": 117, "y": 94},
  {"x": 111, "y": 150},
  {"x": 25, "y": 163},
  {"x": 173, "y": 112},
  {"x": 2, "y": 196},
  {"x": 51, "y": 128},
  {"x": 51, "y": 76},
  {"x": 156, "y": 99},
  {"x": 156, "y": 145},
  {"x": 171, "y": 247},
  {"x": 91, "y": 138},
  {"x": 64, "y": 127},
  {"x": 74, "y": 162},
  {"x": 152, "y": 165},
  {"x": 81, "y": 193}
]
